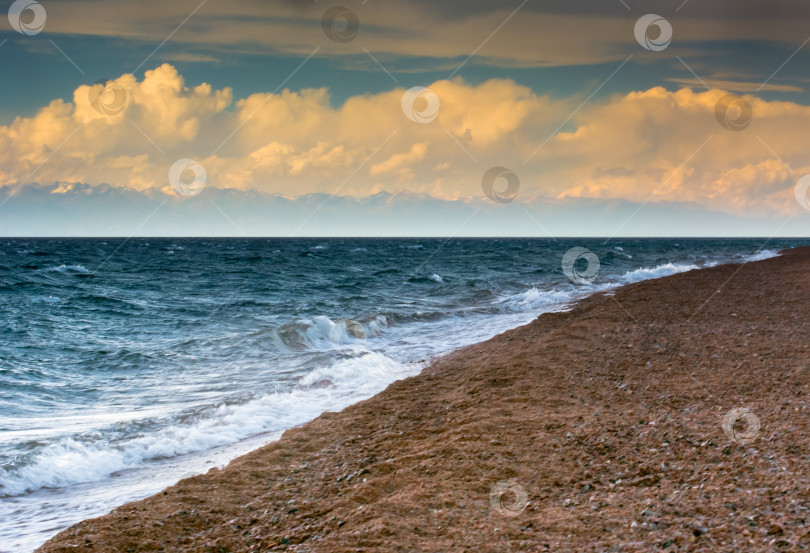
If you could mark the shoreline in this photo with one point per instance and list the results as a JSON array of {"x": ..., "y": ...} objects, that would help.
[{"x": 550, "y": 409}]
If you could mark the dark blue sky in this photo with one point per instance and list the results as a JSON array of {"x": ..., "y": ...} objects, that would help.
[{"x": 37, "y": 72}]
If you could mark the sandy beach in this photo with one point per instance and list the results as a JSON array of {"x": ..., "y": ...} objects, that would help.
[{"x": 669, "y": 415}]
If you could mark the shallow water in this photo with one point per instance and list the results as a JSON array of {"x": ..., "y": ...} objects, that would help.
[{"x": 126, "y": 365}]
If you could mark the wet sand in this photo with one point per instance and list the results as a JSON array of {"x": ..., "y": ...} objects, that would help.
[{"x": 598, "y": 429}]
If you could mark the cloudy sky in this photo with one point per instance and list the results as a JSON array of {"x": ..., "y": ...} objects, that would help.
[{"x": 393, "y": 117}]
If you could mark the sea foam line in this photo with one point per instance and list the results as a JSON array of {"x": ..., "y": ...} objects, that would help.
[{"x": 73, "y": 461}]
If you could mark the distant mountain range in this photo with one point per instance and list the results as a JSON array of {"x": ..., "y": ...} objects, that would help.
[{"x": 62, "y": 209}]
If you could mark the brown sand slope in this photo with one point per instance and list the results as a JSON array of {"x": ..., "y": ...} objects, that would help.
[{"x": 608, "y": 416}]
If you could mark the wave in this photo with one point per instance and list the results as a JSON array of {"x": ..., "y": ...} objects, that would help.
[
  {"x": 355, "y": 374},
  {"x": 319, "y": 333},
  {"x": 760, "y": 255},
  {"x": 620, "y": 251},
  {"x": 68, "y": 269},
  {"x": 74, "y": 460},
  {"x": 46, "y": 299},
  {"x": 667, "y": 269},
  {"x": 324, "y": 334},
  {"x": 534, "y": 299}
]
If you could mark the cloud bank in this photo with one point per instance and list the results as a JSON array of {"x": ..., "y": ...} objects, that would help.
[{"x": 647, "y": 146}]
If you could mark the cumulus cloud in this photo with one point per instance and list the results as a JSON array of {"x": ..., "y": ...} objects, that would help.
[
  {"x": 653, "y": 145},
  {"x": 661, "y": 145}
]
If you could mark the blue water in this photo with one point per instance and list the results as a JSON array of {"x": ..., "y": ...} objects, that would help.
[{"x": 126, "y": 365}]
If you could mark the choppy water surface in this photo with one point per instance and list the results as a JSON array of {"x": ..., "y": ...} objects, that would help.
[{"x": 126, "y": 365}]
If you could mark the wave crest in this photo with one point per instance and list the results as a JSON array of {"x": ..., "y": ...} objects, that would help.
[
  {"x": 73, "y": 461},
  {"x": 666, "y": 269}
]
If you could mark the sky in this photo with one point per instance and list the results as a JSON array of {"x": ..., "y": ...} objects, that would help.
[{"x": 405, "y": 118}]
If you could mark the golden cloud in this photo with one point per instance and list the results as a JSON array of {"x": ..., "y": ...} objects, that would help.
[{"x": 652, "y": 145}]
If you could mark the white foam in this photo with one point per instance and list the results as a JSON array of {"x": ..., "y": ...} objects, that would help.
[
  {"x": 377, "y": 326},
  {"x": 646, "y": 273},
  {"x": 322, "y": 333},
  {"x": 61, "y": 464},
  {"x": 620, "y": 251},
  {"x": 534, "y": 299},
  {"x": 760, "y": 255},
  {"x": 47, "y": 299},
  {"x": 68, "y": 268},
  {"x": 325, "y": 389}
]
